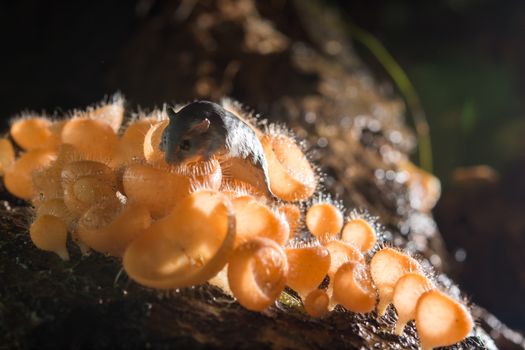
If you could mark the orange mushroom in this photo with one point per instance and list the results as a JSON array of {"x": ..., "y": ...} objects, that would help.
[
  {"x": 158, "y": 190},
  {"x": 131, "y": 144},
  {"x": 425, "y": 188},
  {"x": 49, "y": 232},
  {"x": 81, "y": 195},
  {"x": 255, "y": 219},
  {"x": 324, "y": 220},
  {"x": 340, "y": 253},
  {"x": 360, "y": 233},
  {"x": 33, "y": 133},
  {"x": 111, "y": 113},
  {"x": 316, "y": 303},
  {"x": 440, "y": 320},
  {"x": 257, "y": 273},
  {"x": 292, "y": 213},
  {"x": 95, "y": 139},
  {"x": 152, "y": 152},
  {"x": 407, "y": 291},
  {"x": 353, "y": 287},
  {"x": 56, "y": 207},
  {"x": 308, "y": 267},
  {"x": 292, "y": 178},
  {"x": 110, "y": 231},
  {"x": 17, "y": 178},
  {"x": 187, "y": 247},
  {"x": 48, "y": 180},
  {"x": 86, "y": 183},
  {"x": 387, "y": 267},
  {"x": 7, "y": 155}
]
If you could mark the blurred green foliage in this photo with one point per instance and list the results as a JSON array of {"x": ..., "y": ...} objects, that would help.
[
  {"x": 466, "y": 62},
  {"x": 470, "y": 106}
]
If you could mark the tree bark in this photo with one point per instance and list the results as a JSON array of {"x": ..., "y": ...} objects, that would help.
[{"x": 292, "y": 62}]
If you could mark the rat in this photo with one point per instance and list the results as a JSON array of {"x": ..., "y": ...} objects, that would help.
[{"x": 203, "y": 129}]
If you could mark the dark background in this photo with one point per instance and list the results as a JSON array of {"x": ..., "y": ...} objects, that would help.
[{"x": 466, "y": 59}]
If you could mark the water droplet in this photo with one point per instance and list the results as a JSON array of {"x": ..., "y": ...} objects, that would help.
[
  {"x": 380, "y": 174},
  {"x": 346, "y": 122},
  {"x": 310, "y": 117},
  {"x": 460, "y": 255},
  {"x": 395, "y": 137},
  {"x": 390, "y": 175},
  {"x": 435, "y": 260}
]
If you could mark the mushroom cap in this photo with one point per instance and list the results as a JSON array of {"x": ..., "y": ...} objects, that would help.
[
  {"x": 360, "y": 233},
  {"x": 292, "y": 178},
  {"x": 257, "y": 273},
  {"x": 440, "y": 320},
  {"x": 308, "y": 267},
  {"x": 324, "y": 220},
  {"x": 387, "y": 267},
  {"x": 187, "y": 247}
]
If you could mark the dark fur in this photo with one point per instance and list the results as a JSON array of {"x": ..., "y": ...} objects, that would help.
[{"x": 203, "y": 129}]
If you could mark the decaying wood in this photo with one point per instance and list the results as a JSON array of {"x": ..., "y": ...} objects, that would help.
[{"x": 291, "y": 62}]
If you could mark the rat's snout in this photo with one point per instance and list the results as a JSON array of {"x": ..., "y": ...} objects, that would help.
[
  {"x": 173, "y": 157},
  {"x": 177, "y": 157}
]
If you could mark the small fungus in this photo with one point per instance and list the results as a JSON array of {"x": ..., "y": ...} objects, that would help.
[
  {"x": 257, "y": 273},
  {"x": 187, "y": 247},
  {"x": 18, "y": 177},
  {"x": 114, "y": 235},
  {"x": 407, "y": 291},
  {"x": 292, "y": 213},
  {"x": 158, "y": 190},
  {"x": 95, "y": 139},
  {"x": 386, "y": 267},
  {"x": 7, "y": 155},
  {"x": 440, "y": 320},
  {"x": 340, "y": 253},
  {"x": 48, "y": 180},
  {"x": 324, "y": 220},
  {"x": 33, "y": 133},
  {"x": 111, "y": 113},
  {"x": 308, "y": 267},
  {"x": 425, "y": 188},
  {"x": 151, "y": 148},
  {"x": 56, "y": 207},
  {"x": 73, "y": 171},
  {"x": 86, "y": 183},
  {"x": 255, "y": 219},
  {"x": 49, "y": 232},
  {"x": 81, "y": 195},
  {"x": 316, "y": 303},
  {"x": 353, "y": 287},
  {"x": 360, "y": 233},
  {"x": 292, "y": 177},
  {"x": 131, "y": 144}
]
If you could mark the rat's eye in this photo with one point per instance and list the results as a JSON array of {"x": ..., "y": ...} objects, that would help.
[
  {"x": 185, "y": 145},
  {"x": 162, "y": 144}
]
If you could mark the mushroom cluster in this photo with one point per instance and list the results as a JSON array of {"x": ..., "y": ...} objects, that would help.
[{"x": 107, "y": 188}]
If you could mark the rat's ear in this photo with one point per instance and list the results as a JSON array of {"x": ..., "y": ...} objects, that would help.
[
  {"x": 201, "y": 127},
  {"x": 171, "y": 112}
]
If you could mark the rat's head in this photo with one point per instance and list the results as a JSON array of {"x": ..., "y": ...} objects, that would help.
[{"x": 191, "y": 134}]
